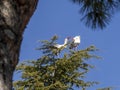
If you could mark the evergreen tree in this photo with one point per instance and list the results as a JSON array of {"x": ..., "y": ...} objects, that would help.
[
  {"x": 15, "y": 15},
  {"x": 108, "y": 88},
  {"x": 57, "y": 69},
  {"x": 97, "y": 13}
]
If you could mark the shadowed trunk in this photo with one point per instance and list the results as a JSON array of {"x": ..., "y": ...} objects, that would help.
[{"x": 14, "y": 16}]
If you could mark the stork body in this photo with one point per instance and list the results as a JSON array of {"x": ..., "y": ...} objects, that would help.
[
  {"x": 59, "y": 47},
  {"x": 75, "y": 42},
  {"x": 62, "y": 45}
]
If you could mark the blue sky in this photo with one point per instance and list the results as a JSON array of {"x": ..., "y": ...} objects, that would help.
[{"x": 62, "y": 18}]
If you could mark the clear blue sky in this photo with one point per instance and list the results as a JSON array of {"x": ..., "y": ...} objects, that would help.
[{"x": 62, "y": 18}]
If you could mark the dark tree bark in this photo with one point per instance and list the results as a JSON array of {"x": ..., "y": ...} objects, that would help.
[{"x": 14, "y": 16}]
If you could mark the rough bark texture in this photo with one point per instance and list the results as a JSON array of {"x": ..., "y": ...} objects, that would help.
[{"x": 14, "y": 16}]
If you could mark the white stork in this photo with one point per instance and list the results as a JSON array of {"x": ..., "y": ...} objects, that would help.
[
  {"x": 59, "y": 47},
  {"x": 75, "y": 42},
  {"x": 62, "y": 45}
]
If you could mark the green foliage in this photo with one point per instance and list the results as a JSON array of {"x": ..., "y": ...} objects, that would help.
[
  {"x": 57, "y": 69},
  {"x": 97, "y": 13},
  {"x": 109, "y": 88}
]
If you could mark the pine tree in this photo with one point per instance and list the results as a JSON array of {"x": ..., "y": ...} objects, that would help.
[
  {"x": 97, "y": 13},
  {"x": 14, "y": 16},
  {"x": 57, "y": 69},
  {"x": 108, "y": 88}
]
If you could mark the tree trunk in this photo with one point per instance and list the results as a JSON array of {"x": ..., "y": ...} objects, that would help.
[{"x": 14, "y": 16}]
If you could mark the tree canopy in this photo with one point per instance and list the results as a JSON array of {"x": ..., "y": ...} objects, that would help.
[{"x": 57, "y": 69}]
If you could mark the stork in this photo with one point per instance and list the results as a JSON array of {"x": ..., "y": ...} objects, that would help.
[
  {"x": 62, "y": 45},
  {"x": 59, "y": 47},
  {"x": 75, "y": 42}
]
